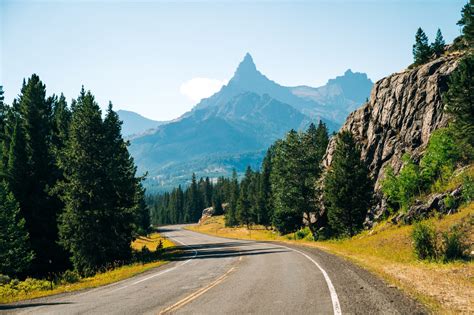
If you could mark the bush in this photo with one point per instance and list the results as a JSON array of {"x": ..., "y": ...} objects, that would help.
[
  {"x": 69, "y": 276},
  {"x": 4, "y": 279},
  {"x": 424, "y": 241},
  {"x": 302, "y": 233},
  {"x": 455, "y": 244},
  {"x": 401, "y": 189},
  {"x": 468, "y": 188}
]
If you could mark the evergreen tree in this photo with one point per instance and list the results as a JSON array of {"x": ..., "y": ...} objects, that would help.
[
  {"x": 17, "y": 163},
  {"x": 286, "y": 183},
  {"x": 421, "y": 48},
  {"x": 15, "y": 252},
  {"x": 98, "y": 190},
  {"x": 126, "y": 191},
  {"x": 60, "y": 121},
  {"x": 217, "y": 205},
  {"x": 467, "y": 22},
  {"x": 348, "y": 188},
  {"x": 244, "y": 204},
  {"x": 437, "y": 47},
  {"x": 39, "y": 208},
  {"x": 230, "y": 215},
  {"x": 264, "y": 210},
  {"x": 459, "y": 102},
  {"x": 3, "y": 113}
]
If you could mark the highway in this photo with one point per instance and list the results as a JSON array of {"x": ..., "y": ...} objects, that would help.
[{"x": 223, "y": 276}]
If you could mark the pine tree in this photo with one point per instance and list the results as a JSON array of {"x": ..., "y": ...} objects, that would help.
[
  {"x": 421, "y": 49},
  {"x": 3, "y": 113},
  {"x": 217, "y": 205},
  {"x": 467, "y": 23},
  {"x": 17, "y": 162},
  {"x": 230, "y": 215},
  {"x": 437, "y": 47},
  {"x": 39, "y": 208},
  {"x": 244, "y": 205},
  {"x": 125, "y": 191},
  {"x": 459, "y": 101},
  {"x": 99, "y": 189},
  {"x": 264, "y": 211},
  {"x": 60, "y": 121},
  {"x": 15, "y": 252},
  {"x": 286, "y": 183},
  {"x": 347, "y": 187}
]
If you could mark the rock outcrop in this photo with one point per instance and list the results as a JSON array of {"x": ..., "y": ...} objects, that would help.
[{"x": 402, "y": 112}]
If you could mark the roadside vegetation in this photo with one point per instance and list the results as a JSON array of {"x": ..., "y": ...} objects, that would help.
[
  {"x": 149, "y": 252},
  {"x": 388, "y": 251}
]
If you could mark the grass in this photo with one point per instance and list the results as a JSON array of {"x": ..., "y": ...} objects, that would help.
[
  {"x": 34, "y": 288},
  {"x": 387, "y": 252}
]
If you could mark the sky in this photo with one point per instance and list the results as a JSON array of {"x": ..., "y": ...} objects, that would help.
[{"x": 159, "y": 58}]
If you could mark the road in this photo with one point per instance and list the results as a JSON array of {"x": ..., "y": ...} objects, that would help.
[{"x": 223, "y": 276}]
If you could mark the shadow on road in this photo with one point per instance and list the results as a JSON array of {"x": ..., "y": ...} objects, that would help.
[
  {"x": 18, "y": 306},
  {"x": 221, "y": 250}
]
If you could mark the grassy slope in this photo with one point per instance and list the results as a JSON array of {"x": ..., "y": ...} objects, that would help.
[
  {"x": 387, "y": 252},
  {"x": 121, "y": 273}
]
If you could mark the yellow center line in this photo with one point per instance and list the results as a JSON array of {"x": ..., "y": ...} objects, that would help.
[{"x": 196, "y": 294}]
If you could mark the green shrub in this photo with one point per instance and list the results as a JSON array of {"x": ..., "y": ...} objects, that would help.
[
  {"x": 440, "y": 157},
  {"x": 468, "y": 188},
  {"x": 302, "y": 233},
  {"x": 69, "y": 277},
  {"x": 424, "y": 241},
  {"x": 455, "y": 244},
  {"x": 401, "y": 189},
  {"x": 449, "y": 202}
]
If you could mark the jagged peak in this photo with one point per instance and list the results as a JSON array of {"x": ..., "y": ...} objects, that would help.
[{"x": 246, "y": 66}]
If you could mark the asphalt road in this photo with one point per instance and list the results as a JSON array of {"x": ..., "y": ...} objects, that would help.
[{"x": 223, "y": 276}]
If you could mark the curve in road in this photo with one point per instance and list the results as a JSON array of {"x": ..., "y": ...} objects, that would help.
[{"x": 223, "y": 276}]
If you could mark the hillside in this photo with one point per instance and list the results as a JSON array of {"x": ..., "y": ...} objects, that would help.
[
  {"x": 234, "y": 127},
  {"x": 136, "y": 124}
]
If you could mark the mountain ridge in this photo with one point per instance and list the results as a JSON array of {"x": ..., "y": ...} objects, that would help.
[{"x": 242, "y": 119}]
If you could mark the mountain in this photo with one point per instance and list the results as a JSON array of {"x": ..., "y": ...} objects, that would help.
[
  {"x": 234, "y": 127},
  {"x": 331, "y": 102},
  {"x": 340, "y": 95},
  {"x": 135, "y": 124}
]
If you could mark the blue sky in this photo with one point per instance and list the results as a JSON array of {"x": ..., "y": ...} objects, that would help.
[{"x": 159, "y": 57}]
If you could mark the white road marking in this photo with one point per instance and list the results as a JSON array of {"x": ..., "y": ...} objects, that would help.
[
  {"x": 161, "y": 272},
  {"x": 332, "y": 291}
]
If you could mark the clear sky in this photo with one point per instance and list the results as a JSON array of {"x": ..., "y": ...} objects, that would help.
[{"x": 159, "y": 57}]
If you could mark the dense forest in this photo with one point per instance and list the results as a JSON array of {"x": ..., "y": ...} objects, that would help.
[
  {"x": 292, "y": 190},
  {"x": 69, "y": 194}
]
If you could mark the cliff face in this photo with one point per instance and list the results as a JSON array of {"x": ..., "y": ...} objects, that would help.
[{"x": 403, "y": 110}]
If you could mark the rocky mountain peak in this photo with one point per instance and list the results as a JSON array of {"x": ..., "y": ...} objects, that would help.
[{"x": 246, "y": 69}]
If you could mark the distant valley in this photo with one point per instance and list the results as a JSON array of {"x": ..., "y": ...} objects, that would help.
[{"x": 233, "y": 128}]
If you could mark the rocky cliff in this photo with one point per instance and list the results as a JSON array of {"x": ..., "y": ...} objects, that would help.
[{"x": 402, "y": 112}]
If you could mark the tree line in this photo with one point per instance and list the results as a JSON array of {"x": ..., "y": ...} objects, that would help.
[
  {"x": 423, "y": 51},
  {"x": 69, "y": 192},
  {"x": 285, "y": 192}
]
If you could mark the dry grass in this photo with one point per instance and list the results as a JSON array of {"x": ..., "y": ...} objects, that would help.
[
  {"x": 387, "y": 251},
  {"x": 100, "y": 279},
  {"x": 151, "y": 242}
]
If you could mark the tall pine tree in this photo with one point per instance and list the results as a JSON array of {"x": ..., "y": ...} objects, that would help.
[
  {"x": 421, "y": 48},
  {"x": 437, "y": 47},
  {"x": 348, "y": 188}
]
